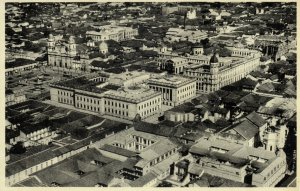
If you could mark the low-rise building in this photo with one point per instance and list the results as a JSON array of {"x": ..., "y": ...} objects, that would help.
[
  {"x": 253, "y": 166},
  {"x": 36, "y": 135},
  {"x": 18, "y": 65}
]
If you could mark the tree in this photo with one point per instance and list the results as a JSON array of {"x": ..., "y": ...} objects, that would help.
[
  {"x": 169, "y": 67},
  {"x": 18, "y": 148},
  {"x": 137, "y": 118}
]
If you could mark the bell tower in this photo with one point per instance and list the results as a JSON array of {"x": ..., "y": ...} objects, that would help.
[
  {"x": 72, "y": 46},
  {"x": 51, "y": 43},
  {"x": 214, "y": 64}
]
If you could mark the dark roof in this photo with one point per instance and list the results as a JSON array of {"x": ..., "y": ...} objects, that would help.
[
  {"x": 246, "y": 129},
  {"x": 73, "y": 83},
  {"x": 255, "y": 100},
  {"x": 9, "y": 134},
  {"x": 266, "y": 87},
  {"x": 118, "y": 150},
  {"x": 219, "y": 110},
  {"x": 33, "y": 128},
  {"x": 141, "y": 181},
  {"x": 214, "y": 59},
  {"x": 248, "y": 83},
  {"x": 28, "y": 162},
  {"x": 100, "y": 64},
  {"x": 18, "y": 62},
  {"x": 258, "y": 74},
  {"x": 184, "y": 108},
  {"x": 155, "y": 129},
  {"x": 256, "y": 119}
]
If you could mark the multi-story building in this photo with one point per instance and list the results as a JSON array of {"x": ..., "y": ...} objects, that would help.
[
  {"x": 67, "y": 55},
  {"x": 121, "y": 96},
  {"x": 217, "y": 74},
  {"x": 115, "y": 33},
  {"x": 14, "y": 96},
  {"x": 128, "y": 102},
  {"x": 272, "y": 45},
  {"x": 175, "y": 89},
  {"x": 172, "y": 64},
  {"x": 154, "y": 151},
  {"x": 17, "y": 66},
  {"x": 36, "y": 135}
]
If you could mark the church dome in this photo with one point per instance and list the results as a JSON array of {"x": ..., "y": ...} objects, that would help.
[
  {"x": 103, "y": 46},
  {"x": 214, "y": 59}
]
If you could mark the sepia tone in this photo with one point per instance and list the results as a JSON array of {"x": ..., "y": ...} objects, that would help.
[{"x": 140, "y": 94}]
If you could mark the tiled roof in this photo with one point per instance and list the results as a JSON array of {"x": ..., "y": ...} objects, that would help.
[
  {"x": 247, "y": 129},
  {"x": 32, "y": 128},
  {"x": 118, "y": 150},
  {"x": 154, "y": 129},
  {"x": 141, "y": 181},
  {"x": 256, "y": 119},
  {"x": 28, "y": 162},
  {"x": 9, "y": 134},
  {"x": 183, "y": 108}
]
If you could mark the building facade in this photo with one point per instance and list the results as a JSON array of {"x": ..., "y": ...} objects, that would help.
[
  {"x": 65, "y": 55},
  {"x": 216, "y": 75},
  {"x": 119, "y": 98},
  {"x": 115, "y": 33},
  {"x": 175, "y": 89}
]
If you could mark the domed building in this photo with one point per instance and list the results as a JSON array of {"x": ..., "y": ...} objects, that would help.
[
  {"x": 103, "y": 47},
  {"x": 214, "y": 59}
]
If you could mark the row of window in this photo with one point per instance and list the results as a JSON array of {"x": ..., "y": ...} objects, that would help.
[
  {"x": 274, "y": 170},
  {"x": 64, "y": 93},
  {"x": 149, "y": 111},
  {"x": 116, "y": 104},
  {"x": 116, "y": 111},
  {"x": 87, "y": 99},
  {"x": 88, "y": 107},
  {"x": 188, "y": 94},
  {"x": 162, "y": 157},
  {"x": 241, "y": 53},
  {"x": 64, "y": 100},
  {"x": 153, "y": 102},
  {"x": 186, "y": 88}
]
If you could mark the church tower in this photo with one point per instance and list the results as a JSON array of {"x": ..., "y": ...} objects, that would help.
[
  {"x": 103, "y": 48},
  {"x": 72, "y": 46},
  {"x": 214, "y": 71},
  {"x": 51, "y": 43},
  {"x": 214, "y": 64}
]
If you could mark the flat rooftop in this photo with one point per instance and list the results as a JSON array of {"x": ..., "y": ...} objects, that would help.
[
  {"x": 170, "y": 80},
  {"x": 135, "y": 94},
  {"x": 83, "y": 83}
]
